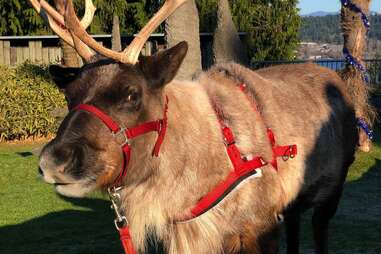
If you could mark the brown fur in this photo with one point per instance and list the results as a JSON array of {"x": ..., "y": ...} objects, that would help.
[
  {"x": 304, "y": 104},
  {"x": 193, "y": 159}
]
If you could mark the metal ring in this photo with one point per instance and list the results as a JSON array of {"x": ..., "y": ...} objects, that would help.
[
  {"x": 122, "y": 133},
  {"x": 121, "y": 222}
]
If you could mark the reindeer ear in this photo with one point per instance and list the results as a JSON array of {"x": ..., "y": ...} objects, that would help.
[
  {"x": 160, "y": 69},
  {"x": 63, "y": 76}
]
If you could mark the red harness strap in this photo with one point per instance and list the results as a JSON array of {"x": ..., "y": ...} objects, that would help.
[
  {"x": 123, "y": 136},
  {"x": 285, "y": 152},
  {"x": 242, "y": 167}
]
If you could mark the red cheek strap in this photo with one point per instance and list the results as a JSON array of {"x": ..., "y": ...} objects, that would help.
[{"x": 124, "y": 135}]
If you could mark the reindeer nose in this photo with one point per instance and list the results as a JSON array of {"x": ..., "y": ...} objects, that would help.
[{"x": 40, "y": 172}]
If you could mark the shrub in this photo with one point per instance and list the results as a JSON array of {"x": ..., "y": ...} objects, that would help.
[{"x": 27, "y": 98}]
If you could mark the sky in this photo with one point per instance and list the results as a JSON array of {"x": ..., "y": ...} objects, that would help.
[{"x": 308, "y": 6}]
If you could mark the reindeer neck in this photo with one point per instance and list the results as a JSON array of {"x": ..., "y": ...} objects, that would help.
[{"x": 191, "y": 160}]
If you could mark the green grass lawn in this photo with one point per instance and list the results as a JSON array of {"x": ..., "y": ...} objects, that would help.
[{"x": 33, "y": 219}]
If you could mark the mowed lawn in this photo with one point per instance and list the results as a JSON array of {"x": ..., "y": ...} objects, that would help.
[{"x": 33, "y": 219}]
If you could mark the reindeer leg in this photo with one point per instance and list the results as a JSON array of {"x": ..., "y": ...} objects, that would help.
[
  {"x": 320, "y": 221},
  {"x": 268, "y": 242},
  {"x": 292, "y": 223}
]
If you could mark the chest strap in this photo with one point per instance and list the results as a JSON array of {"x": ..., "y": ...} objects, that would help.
[
  {"x": 284, "y": 152},
  {"x": 243, "y": 166}
]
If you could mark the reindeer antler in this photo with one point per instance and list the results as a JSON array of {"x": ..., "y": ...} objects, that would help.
[
  {"x": 57, "y": 24},
  {"x": 131, "y": 53},
  {"x": 74, "y": 31}
]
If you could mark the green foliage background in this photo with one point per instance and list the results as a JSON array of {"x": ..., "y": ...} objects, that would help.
[
  {"x": 272, "y": 25},
  {"x": 27, "y": 98}
]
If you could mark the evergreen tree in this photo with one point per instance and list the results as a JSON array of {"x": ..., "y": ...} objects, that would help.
[
  {"x": 272, "y": 26},
  {"x": 18, "y": 18},
  {"x": 207, "y": 10}
]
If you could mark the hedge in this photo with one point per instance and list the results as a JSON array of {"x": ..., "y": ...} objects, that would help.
[{"x": 27, "y": 98}]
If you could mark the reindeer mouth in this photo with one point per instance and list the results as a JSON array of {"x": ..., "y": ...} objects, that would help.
[
  {"x": 62, "y": 184},
  {"x": 79, "y": 189}
]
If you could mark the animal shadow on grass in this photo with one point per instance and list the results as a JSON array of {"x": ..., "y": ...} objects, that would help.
[
  {"x": 70, "y": 231},
  {"x": 25, "y": 154},
  {"x": 67, "y": 232},
  {"x": 357, "y": 224}
]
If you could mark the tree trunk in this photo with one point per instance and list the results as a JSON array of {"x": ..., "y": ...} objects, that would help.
[
  {"x": 355, "y": 41},
  {"x": 116, "y": 43},
  {"x": 227, "y": 45},
  {"x": 183, "y": 25},
  {"x": 69, "y": 55}
]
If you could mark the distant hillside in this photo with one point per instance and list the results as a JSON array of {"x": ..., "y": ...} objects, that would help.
[
  {"x": 319, "y": 14},
  {"x": 327, "y": 28}
]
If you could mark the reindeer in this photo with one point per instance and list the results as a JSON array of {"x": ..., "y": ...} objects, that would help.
[{"x": 162, "y": 145}]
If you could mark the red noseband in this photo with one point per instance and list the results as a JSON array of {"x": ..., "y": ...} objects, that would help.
[{"x": 124, "y": 135}]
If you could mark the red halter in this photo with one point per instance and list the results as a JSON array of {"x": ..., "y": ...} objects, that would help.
[{"x": 124, "y": 135}]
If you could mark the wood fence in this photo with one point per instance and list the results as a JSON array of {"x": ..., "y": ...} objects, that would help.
[
  {"x": 15, "y": 50},
  {"x": 34, "y": 53}
]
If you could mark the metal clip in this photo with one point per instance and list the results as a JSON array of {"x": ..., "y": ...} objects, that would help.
[
  {"x": 121, "y": 223},
  {"x": 120, "y": 220}
]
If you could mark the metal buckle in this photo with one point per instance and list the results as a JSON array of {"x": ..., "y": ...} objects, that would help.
[{"x": 121, "y": 135}]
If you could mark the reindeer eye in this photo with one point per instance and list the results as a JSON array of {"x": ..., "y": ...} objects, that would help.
[{"x": 132, "y": 97}]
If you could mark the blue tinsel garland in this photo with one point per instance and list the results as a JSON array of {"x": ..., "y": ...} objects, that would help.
[
  {"x": 363, "y": 125},
  {"x": 355, "y": 8},
  {"x": 355, "y": 63}
]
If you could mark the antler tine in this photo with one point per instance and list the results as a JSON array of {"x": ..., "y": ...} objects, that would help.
[
  {"x": 36, "y": 5},
  {"x": 86, "y": 20},
  {"x": 131, "y": 53},
  {"x": 89, "y": 14},
  {"x": 52, "y": 12},
  {"x": 73, "y": 24},
  {"x": 65, "y": 35},
  {"x": 57, "y": 24}
]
